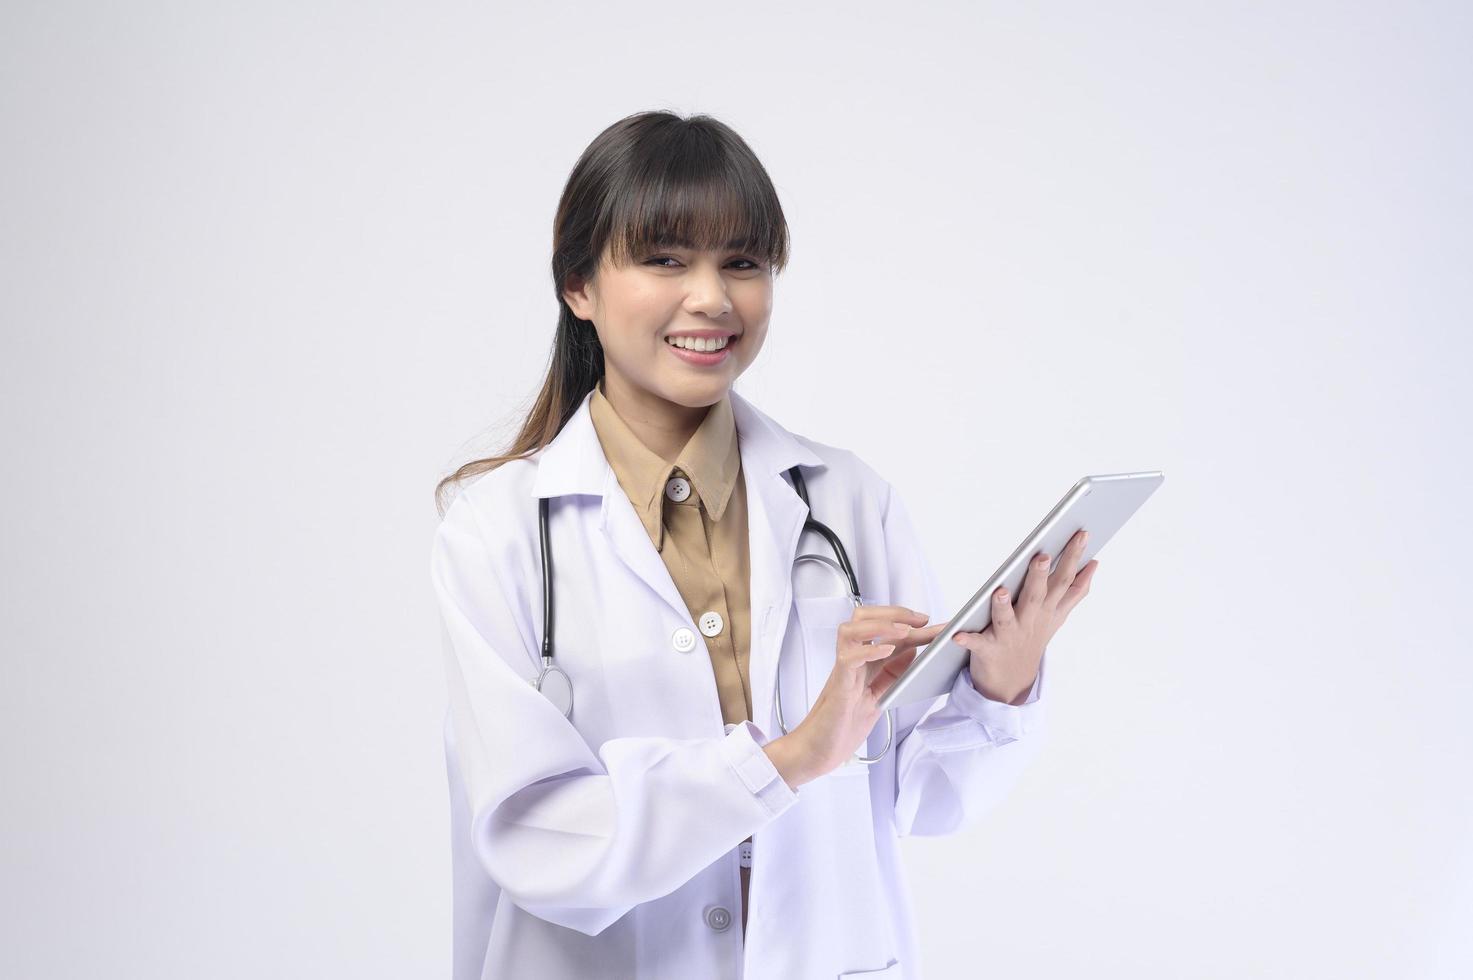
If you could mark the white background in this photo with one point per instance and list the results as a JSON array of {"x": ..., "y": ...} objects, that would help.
[{"x": 268, "y": 271}]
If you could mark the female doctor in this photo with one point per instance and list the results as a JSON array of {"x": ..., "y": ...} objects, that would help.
[{"x": 625, "y": 801}]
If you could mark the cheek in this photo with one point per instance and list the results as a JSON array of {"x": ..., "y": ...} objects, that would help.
[
  {"x": 755, "y": 302},
  {"x": 752, "y": 341},
  {"x": 755, "y": 310},
  {"x": 638, "y": 305},
  {"x": 636, "y": 320}
]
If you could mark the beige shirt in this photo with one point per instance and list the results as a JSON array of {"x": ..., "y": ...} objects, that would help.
[{"x": 695, "y": 511}]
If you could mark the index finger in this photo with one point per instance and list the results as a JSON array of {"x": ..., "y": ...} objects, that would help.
[{"x": 891, "y": 614}]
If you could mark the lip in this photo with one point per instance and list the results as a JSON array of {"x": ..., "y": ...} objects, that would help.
[{"x": 702, "y": 359}]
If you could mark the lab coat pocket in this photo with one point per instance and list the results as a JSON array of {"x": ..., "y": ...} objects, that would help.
[
  {"x": 891, "y": 972},
  {"x": 820, "y": 618}
]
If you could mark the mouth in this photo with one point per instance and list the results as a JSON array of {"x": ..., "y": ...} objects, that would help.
[{"x": 704, "y": 352}]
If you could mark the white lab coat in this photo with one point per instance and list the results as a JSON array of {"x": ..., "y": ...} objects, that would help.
[{"x": 606, "y": 846}]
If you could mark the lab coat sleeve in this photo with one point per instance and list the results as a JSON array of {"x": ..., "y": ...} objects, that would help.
[
  {"x": 572, "y": 835},
  {"x": 960, "y": 754}
]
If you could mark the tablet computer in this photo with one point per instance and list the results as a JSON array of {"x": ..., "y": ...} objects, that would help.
[{"x": 1099, "y": 504}]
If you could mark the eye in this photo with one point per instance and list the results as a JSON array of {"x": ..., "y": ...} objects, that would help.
[{"x": 659, "y": 262}]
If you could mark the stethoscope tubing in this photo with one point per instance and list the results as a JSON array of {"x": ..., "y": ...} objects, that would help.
[
  {"x": 842, "y": 567},
  {"x": 547, "y": 665},
  {"x": 855, "y": 596}
]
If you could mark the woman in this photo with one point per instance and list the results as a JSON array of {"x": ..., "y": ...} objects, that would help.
[{"x": 628, "y": 836}]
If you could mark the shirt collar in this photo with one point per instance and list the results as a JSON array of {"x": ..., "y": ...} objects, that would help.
[
  {"x": 575, "y": 463},
  {"x": 711, "y": 458}
]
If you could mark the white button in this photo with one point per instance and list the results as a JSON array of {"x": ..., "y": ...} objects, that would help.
[
  {"x": 730, "y": 728},
  {"x": 684, "y": 640},
  {"x": 710, "y": 623},
  {"x": 677, "y": 488},
  {"x": 718, "y": 918}
]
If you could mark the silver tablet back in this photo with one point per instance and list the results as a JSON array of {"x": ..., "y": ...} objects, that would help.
[{"x": 1099, "y": 504}]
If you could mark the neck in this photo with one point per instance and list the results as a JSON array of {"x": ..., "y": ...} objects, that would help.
[{"x": 663, "y": 426}]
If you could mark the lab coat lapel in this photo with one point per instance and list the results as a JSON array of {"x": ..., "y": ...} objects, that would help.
[
  {"x": 574, "y": 462},
  {"x": 631, "y": 542},
  {"x": 775, "y": 516}
]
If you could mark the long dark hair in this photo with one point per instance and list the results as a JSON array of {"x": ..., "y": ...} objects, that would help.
[{"x": 650, "y": 180}]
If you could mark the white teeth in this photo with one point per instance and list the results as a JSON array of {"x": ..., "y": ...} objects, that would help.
[{"x": 698, "y": 343}]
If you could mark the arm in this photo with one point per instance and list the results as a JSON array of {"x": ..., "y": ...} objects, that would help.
[
  {"x": 958, "y": 755},
  {"x": 573, "y": 835}
]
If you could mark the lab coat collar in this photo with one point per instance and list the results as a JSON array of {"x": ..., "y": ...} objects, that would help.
[{"x": 574, "y": 463}]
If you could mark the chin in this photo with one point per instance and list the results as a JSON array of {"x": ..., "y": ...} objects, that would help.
[{"x": 698, "y": 394}]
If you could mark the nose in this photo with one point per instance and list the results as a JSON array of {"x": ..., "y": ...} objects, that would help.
[{"x": 708, "y": 293}]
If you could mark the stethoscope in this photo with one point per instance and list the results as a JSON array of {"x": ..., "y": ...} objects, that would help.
[{"x": 841, "y": 567}]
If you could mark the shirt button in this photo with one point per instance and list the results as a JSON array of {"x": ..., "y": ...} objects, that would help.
[
  {"x": 710, "y": 623},
  {"x": 718, "y": 918},
  {"x": 684, "y": 640},
  {"x": 677, "y": 488},
  {"x": 730, "y": 728}
]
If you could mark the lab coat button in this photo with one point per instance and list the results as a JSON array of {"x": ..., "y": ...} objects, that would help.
[
  {"x": 711, "y": 623},
  {"x": 677, "y": 488},
  {"x": 718, "y": 918},
  {"x": 730, "y": 728},
  {"x": 684, "y": 640}
]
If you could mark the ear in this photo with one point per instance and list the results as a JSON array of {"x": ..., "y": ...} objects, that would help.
[{"x": 579, "y": 296}]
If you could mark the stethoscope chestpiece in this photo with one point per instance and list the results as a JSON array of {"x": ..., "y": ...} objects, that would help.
[{"x": 560, "y": 691}]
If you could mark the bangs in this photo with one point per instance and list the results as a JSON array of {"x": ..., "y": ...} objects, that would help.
[{"x": 701, "y": 198}]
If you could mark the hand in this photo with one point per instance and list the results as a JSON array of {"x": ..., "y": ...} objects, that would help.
[
  {"x": 847, "y": 708},
  {"x": 1005, "y": 655}
]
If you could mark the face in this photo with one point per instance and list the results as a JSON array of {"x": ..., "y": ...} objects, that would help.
[{"x": 638, "y": 308}]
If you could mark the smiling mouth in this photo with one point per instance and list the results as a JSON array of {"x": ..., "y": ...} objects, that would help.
[{"x": 702, "y": 346}]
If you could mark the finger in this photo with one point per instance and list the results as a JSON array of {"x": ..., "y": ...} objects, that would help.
[
  {"x": 1003, "y": 618},
  {"x": 1079, "y": 588},
  {"x": 907, "y": 648},
  {"x": 925, "y": 634},
  {"x": 861, "y": 654},
  {"x": 890, "y": 673},
  {"x": 899, "y": 662},
  {"x": 1068, "y": 564},
  {"x": 890, "y": 614},
  {"x": 968, "y": 641},
  {"x": 865, "y": 630},
  {"x": 895, "y": 663},
  {"x": 1033, "y": 583}
]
